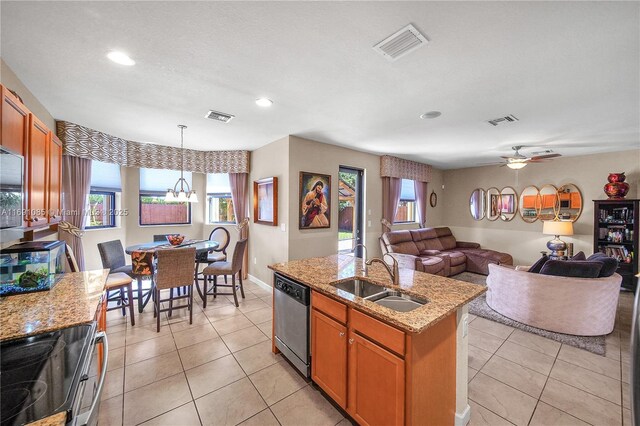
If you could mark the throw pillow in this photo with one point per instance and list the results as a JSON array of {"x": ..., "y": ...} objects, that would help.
[
  {"x": 430, "y": 252},
  {"x": 536, "y": 267},
  {"x": 609, "y": 264},
  {"x": 575, "y": 269},
  {"x": 579, "y": 256}
]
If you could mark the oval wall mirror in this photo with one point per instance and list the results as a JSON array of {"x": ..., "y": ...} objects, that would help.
[
  {"x": 493, "y": 203},
  {"x": 569, "y": 202},
  {"x": 528, "y": 204},
  {"x": 508, "y": 203},
  {"x": 476, "y": 204},
  {"x": 547, "y": 203}
]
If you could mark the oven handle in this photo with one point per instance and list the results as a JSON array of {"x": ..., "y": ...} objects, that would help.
[{"x": 89, "y": 417}]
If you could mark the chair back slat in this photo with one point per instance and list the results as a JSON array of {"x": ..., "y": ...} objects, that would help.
[
  {"x": 222, "y": 237},
  {"x": 71, "y": 259},
  {"x": 238, "y": 255},
  {"x": 112, "y": 254},
  {"x": 175, "y": 267},
  {"x": 142, "y": 263}
]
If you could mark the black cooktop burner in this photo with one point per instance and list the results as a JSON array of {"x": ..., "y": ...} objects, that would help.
[{"x": 40, "y": 374}]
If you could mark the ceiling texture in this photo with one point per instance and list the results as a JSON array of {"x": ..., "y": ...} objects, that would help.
[{"x": 569, "y": 71}]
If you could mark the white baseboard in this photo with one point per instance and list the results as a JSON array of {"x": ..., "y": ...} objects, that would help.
[
  {"x": 462, "y": 419},
  {"x": 260, "y": 282}
]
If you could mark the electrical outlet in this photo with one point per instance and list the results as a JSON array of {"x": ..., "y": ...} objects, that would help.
[
  {"x": 369, "y": 224},
  {"x": 283, "y": 227},
  {"x": 255, "y": 260},
  {"x": 465, "y": 326}
]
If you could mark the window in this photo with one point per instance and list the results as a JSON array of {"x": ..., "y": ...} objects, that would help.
[
  {"x": 154, "y": 210},
  {"x": 105, "y": 183},
  {"x": 407, "y": 204},
  {"x": 219, "y": 201}
]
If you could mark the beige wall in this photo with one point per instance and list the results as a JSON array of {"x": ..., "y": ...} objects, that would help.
[
  {"x": 11, "y": 81},
  {"x": 311, "y": 156},
  {"x": 524, "y": 241},
  {"x": 269, "y": 244}
]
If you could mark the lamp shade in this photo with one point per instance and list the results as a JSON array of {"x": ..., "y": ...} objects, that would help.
[{"x": 557, "y": 227}]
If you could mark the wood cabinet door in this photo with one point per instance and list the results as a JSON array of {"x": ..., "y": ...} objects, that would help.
[
  {"x": 15, "y": 123},
  {"x": 37, "y": 172},
  {"x": 329, "y": 356},
  {"x": 55, "y": 180},
  {"x": 376, "y": 383}
]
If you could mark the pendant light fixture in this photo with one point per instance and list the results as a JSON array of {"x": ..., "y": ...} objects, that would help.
[{"x": 173, "y": 195}]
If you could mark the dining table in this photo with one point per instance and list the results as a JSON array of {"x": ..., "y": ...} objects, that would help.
[{"x": 203, "y": 247}]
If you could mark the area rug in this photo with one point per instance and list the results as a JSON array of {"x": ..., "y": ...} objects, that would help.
[{"x": 479, "y": 307}]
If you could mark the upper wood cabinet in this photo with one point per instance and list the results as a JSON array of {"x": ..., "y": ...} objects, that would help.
[
  {"x": 329, "y": 349},
  {"x": 55, "y": 180},
  {"x": 37, "y": 172},
  {"x": 15, "y": 123}
]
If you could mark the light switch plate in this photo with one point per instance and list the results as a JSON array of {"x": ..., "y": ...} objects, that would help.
[{"x": 283, "y": 227}]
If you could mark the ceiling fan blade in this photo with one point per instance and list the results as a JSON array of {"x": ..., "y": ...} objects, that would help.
[
  {"x": 506, "y": 158},
  {"x": 542, "y": 157}
]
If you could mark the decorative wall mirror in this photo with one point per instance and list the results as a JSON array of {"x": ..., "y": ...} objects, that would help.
[
  {"x": 477, "y": 204},
  {"x": 569, "y": 202},
  {"x": 529, "y": 205},
  {"x": 493, "y": 203},
  {"x": 547, "y": 204},
  {"x": 433, "y": 199},
  {"x": 508, "y": 203}
]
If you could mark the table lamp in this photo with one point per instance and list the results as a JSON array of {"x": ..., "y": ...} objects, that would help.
[{"x": 557, "y": 228}]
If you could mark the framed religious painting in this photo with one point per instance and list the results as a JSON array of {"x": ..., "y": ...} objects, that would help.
[
  {"x": 314, "y": 201},
  {"x": 265, "y": 201}
]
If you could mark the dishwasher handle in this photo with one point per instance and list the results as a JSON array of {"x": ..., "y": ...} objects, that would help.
[{"x": 90, "y": 417}]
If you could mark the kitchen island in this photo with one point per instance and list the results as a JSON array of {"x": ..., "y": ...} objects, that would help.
[{"x": 380, "y": 365}]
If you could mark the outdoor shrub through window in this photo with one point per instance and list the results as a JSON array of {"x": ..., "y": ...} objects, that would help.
[
  {"x": 101, "y": 210},
  {"x": 407, "y": 204}
]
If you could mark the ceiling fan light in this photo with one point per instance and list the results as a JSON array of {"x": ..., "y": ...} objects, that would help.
[{"x": 516, "y": 165}]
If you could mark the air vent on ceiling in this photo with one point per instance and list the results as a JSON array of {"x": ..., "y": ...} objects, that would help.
[
  {"x": 219, "y": 116},
  {"x": 505, "y": 119},
  {"x": 400, "y": 43}
]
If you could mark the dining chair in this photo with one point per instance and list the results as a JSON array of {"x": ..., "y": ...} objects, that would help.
[
  {"x": 143, "y": 266},
  {"x": 71, "y": 259},
  {"x": 174, "y": 268},
  {"x": 116, "y": 286},
  {"x": 112, "y": 256},
  {"x": 225, "y": 268},
  {"x": 220, "y": 235}
]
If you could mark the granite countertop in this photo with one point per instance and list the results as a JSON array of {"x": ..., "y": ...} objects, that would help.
[
  {"x": 58, "y": 419},
  {"x": 72, "y": 301},
  {"x": 445, "y": 295}
]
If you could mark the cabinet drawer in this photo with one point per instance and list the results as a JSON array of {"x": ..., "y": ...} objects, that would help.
[
  {"x": 378, "y": 331},
  {"x": 333, "y": 308}
]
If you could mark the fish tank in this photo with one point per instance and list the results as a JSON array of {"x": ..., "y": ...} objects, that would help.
[{"x": 31, "y": 266}]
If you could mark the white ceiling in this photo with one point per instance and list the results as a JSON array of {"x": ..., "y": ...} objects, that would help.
[{"x": 569, "y": 71}]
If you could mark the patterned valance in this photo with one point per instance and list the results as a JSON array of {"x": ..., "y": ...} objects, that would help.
[
  {"x": 80, "y": 141},
  {"x": 404, "y": 169}
]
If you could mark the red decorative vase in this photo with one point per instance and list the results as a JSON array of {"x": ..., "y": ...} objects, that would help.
[{"x": 617, "y": 187}]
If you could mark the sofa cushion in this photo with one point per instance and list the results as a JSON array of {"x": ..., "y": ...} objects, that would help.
[
  {"x": 579, "y": 256},
  {"x": 609, "y": 264},
  {"x": 576, "y": 268},
  {"x": 455, "y": 257},
  {"x": 400, "y": 242},
  {"x": 429, "y": 252},
  {"x": 536, "y": 267},
  {"x": 426, "y": 239},
  {"x": 446, "y": 238},
  {"x": 432, "y": 265}
]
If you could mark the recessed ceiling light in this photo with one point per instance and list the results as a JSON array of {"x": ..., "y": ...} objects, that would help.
[
  {"x": 431, "y": 114},
  {"x": 264, "y": 102},
  {"x": 120, "y": 58}
]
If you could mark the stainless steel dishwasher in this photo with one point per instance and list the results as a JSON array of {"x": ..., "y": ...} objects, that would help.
[{"x": 292, "y": 301}]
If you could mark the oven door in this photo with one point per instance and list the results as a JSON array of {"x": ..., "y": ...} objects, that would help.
[{"x": 87, "y": 402}]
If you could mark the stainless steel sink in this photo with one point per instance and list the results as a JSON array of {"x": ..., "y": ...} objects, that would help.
[
  {"x": 397, "y": 301},
  {"x": 360, "y": 288}
]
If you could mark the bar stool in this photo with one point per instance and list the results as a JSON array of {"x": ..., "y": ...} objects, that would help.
[{"x": 120, "y": 282}]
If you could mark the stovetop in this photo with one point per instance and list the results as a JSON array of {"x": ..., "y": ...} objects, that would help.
[{"x": 39, "y": 375}]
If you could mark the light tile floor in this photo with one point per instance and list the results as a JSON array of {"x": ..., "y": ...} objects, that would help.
[
  {"x": 220, "y": 370},
  {"x": 520, "y": 378}
]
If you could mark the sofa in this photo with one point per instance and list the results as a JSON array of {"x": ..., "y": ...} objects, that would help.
[
  {"x": 579, "y": 306},
  {"x": 436, "y": 251}
]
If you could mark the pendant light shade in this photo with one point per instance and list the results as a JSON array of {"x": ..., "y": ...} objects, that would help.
[{"x": 180, "y": 196}]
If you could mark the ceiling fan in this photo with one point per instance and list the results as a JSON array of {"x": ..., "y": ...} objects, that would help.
[{"x": 518, "y": 161}]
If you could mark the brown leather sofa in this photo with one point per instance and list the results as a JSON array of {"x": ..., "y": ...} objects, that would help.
[{"x": 436, "y": 251}]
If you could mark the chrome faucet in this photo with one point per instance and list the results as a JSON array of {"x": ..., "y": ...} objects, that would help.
[
  {"x": 364, "y": 259},
  {"x": 394, "y": 274}
]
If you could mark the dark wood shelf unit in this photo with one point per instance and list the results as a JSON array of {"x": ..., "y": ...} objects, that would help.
[{"x": 629, "y": 224}]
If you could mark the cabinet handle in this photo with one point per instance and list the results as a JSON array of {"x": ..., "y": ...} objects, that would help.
[
  {"x": 341, "y": 334},
  {"x": 351, "y": 341}
]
